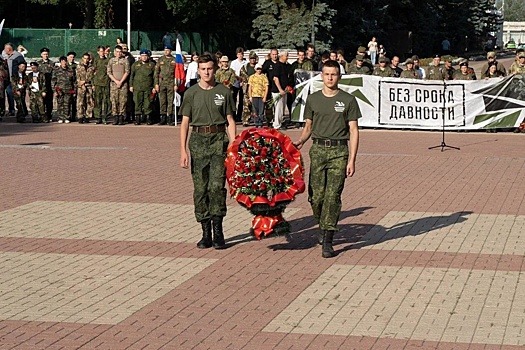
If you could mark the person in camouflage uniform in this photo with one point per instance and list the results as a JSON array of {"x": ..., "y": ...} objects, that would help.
[
  {"x": 436, "y": 71},
  {"x": 449, "y": 70},
  {"x": 4, "y": 78},
  {"x": 491, "y": 57},
  {"x": 518, "y": 66},
  {"x": 36, "y": 82},
  {"x": 331, "y": 119},
  {"x": 101, "y": 86},
  {"x": 19, "y": 84},
  {"x": 225, "y": 75},
  {"x": 166, "y": 85},
  {"x": 383, "y": 70},
  {"x": 409, "y": 72},
  {"x": 63, "y": 81},
  {"x": 46, "y": 66},
  {"x": 357, "y": 66},
  {"x": 130, "y": 104},
  {"x": 141, "y": 85},
  {"x": 463, "y": 72},
  {"x": 208, "y": 107},
  {"x": 118, "y": 72},
  {"x": 246, "y": 71},
  {"x": 73, "y": 66},
  {"x": 85, "y": 73}
]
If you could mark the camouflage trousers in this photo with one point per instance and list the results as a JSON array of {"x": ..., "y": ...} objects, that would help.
[
  {"x": 166, "y": 97},
  {"x": 119, "y": 98},
  {"x": 208, "y": 152},
  {"x": 64, "y": 106},
  {"x": 48, "y": 103},
  {"x": 20, "y": 100},
  {"x": 142, "y": 102},
  {"x": 246, "y": 109},
  {"x": 326, "y": 183},
  {"x": 85, "y": 103},
  {"x": 101, "y": 102},
  {"x": 36, "y": 103}
]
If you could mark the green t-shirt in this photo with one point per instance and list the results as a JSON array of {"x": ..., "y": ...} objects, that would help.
[
  {"x": 207, "y": 107},
  {"x": 330, "y": 115}
]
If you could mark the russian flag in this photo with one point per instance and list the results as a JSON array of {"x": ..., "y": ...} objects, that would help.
[{"x": 180, "y": 74}]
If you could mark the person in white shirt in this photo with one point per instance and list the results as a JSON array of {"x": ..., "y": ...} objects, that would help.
[
  {"x": 372, "y": 50},
  {"x": 238, "y": 94},
  {"x": 192, "y": 73}
]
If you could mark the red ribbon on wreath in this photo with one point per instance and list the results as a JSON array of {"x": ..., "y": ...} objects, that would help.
[{"x": 292, "y": 156}]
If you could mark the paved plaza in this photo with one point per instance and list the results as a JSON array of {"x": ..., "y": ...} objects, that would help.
[{"x": 98, "y": 248}]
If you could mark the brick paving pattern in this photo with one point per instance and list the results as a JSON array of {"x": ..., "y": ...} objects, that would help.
[{"x": 97, "y": 248}]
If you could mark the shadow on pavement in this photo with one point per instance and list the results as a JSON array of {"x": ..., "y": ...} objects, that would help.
[{"x": 356, "y": 236}]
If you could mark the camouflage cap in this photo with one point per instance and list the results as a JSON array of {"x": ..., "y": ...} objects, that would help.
[
  {"x": 383, "y": 59},
  {"x": 409, "y": 61},
  {"x": 224, "y": 59},
  {"x": 491, "y": 54},
  {"x": 361, "y": 49},
  {"x": 521, "y": 54},
  {"x": 252, "y": 54},
  {"x": 359, "y": 57}
]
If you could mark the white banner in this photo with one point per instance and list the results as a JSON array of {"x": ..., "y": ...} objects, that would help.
[{"x": 427, "y": 104}]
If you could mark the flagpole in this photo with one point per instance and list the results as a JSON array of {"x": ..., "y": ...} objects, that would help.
[{"x": 129, "y": 25}]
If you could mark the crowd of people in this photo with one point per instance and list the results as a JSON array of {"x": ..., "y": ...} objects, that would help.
[
  {"x": 109, "y": 85},
  {"x": 112, "y": 85}
]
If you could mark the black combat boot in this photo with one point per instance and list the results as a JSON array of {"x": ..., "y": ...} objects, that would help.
[
  {"x": 328, "y": 250},
  {"x": 99, "y": 121},
  {"x": 122, "y": 120},
  {"x": 206, "y": 241},
  {"x": 320, "y": 237},
  {"x": 116, "y": 120},
  {"x": 171, "y": 120},
  {"x": 218, "y": 235},
  {"x": 138, "y": 118},
  {"x": 149, "y": 120},
  {"x": 162, "y": 119}
]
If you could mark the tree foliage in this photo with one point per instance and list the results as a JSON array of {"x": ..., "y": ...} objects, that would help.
[
  {"x": 514, "y": 10},
  {"x": 403, "y": 26},
  {"x": 279, "y": 24}
]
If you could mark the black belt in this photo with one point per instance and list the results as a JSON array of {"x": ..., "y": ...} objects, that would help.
[
  {"x": 209, "y": 129},
  {"x": 330, "y": 143}
]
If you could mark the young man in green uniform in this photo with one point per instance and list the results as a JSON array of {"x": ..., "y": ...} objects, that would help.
[
  {"x": 46, "y": 66},
  {"x": 208, "y": 107},
  {"x": 141, "y": 85},
  {"x": 331, "y": 118},
  {"x": 166, "y": 85}
]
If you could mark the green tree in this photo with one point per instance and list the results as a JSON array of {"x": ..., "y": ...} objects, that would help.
[
  {"x": 514, "y": 10},
  {"x": 279, "y": 24}
]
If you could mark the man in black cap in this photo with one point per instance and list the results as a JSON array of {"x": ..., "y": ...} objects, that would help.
[
  {"x": 463, "y": 73},
  {"x": 45, "y": 66}
]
